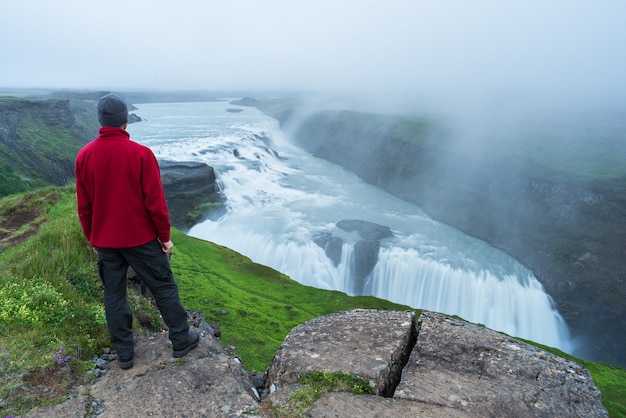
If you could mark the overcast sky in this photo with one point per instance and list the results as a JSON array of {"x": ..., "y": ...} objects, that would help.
[{"x": 547, "y": 48}]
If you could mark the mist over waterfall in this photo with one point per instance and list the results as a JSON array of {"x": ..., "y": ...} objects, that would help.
[{"x": 324, "y": 227}]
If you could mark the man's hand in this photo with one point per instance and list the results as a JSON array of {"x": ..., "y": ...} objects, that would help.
[{"x": 167, "y": 246}]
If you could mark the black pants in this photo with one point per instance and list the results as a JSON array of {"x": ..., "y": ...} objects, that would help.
[{"x": 152, "y": 265}]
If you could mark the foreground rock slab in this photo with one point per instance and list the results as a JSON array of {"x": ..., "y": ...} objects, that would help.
[
  {"x": 370, "y": 344},
  {"x": 455, "y": 369},
  {"x": 336, "y": 404},
  {"x": 484, "y": 373},
  {"x": 206, "y": 383}
]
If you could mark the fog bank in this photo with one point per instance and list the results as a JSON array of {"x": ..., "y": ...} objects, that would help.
[{"x": 446, "y": 55}]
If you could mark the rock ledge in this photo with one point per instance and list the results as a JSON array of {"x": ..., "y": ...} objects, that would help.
[{"x": 439, "y": 366}]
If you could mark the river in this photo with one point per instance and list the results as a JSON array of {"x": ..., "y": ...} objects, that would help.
[{"x": 280, "y": 200}]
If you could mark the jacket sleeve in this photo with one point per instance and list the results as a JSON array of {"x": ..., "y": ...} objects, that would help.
[
  {"x": 154, "y": 197},
  {"x": 83, "y": 201}
]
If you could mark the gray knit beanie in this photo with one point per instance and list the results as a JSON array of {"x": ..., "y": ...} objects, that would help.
[{"x": 112, "y": 110}]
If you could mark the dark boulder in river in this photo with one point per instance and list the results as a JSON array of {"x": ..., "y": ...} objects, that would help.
[{"x": 191, "y": 192}]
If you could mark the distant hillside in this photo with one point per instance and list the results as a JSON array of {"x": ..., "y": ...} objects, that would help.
[{"x": 39, "y": 139}]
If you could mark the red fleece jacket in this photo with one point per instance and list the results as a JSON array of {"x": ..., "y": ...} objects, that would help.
[{"x": 121, "y": 203}]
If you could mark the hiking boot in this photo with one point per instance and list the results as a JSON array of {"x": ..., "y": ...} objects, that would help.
[
  {"x": 192, "y": 342},
  {"x": 125, "y": 364}
]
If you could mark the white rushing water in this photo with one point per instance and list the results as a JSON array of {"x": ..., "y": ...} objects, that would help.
[{"x": 279, "y": 199}]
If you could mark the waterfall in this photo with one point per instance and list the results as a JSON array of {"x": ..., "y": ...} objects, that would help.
[
  {"x": 285, "y": 209},
  {"x": 501, "y": 302},
  {"x": 512, "y": 303}
]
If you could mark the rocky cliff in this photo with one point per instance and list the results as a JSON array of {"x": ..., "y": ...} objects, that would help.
[
  {"x": 13, "y": 110},
  {"x": 437, "y": 366},
  {"x": 568, "y": 230},
  {"x": 36, "y": 146},
  {"x": 191, "y": 191}
]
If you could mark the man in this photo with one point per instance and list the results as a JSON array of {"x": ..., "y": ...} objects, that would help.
[{"x": 124, "y": 215}]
